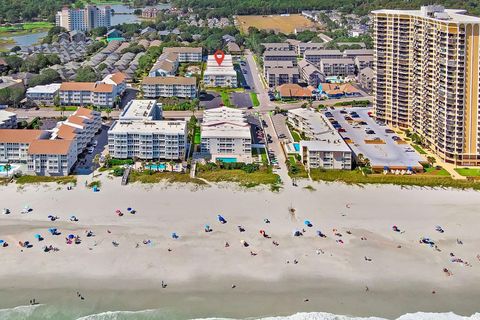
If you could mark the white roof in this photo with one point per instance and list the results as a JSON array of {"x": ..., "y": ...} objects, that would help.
[
  {"x": 149, "y": 127},
  {"x": 225, "y": 68},
  {"x": 6, "y": 115},
  {"x": 326, "y": 144},
  {"x": 326, "y": 137},
  {"x": 225, "y": 122},
  {"x": 49, "y": 88},
  {"x": 445, "y": 15},
  {"x": 139, "y": 110}
]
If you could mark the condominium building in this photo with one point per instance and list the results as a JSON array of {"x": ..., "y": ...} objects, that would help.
[
  {"x": 302, "y": 47},
  {"x": 43, "y": 94},
  {"x": 182, "y": 87},
  {"x": 84, "y": 19},
  {"x": 8, "y": 120},
  {"x": 81, "y": 126},
  {"x": 52, "y": 157},
  {"x": 279, "y": 72},
  {"x": 226, "y": 135},
  {"x": 426, "y": 77},
  {"x": 186, "y": 54},
  {"x": 280, "y": 55},
  {"x": 325, "y": 148},
  {"x": 166, "y": 65},
  {"x": 87, "y": 93},
  {"x": 277, "y": 46},
  {"x": 140, "y": 133},
  {"x": 314, "y": 56},
  {"x": 220, "y": 75},
  {"x": 337, "y": 67},
  {"x": 310, "y": 73},
  {"x": 43, "y": 154},
  {"x": 119, "y": 80}
]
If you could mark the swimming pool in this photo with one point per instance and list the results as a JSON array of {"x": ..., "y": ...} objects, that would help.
[
  {"x": 227, "y": 160},
  {"x": 158, "y": 167},
  {"x": 12, "y": 169},
  {"x": 297, "y": 147}
]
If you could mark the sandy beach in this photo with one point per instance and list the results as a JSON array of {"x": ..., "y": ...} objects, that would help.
[{"x": 361, "y": 268}]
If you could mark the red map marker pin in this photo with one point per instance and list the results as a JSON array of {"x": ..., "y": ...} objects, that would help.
[{"x": 219, "y": 55}]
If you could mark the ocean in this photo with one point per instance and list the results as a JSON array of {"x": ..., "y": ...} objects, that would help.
[{"x": 44, "y": 312}]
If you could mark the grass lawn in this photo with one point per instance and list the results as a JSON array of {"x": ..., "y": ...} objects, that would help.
[
  {"x": 46, "y": 179},
  {"x": 24, "y": 28},
  {"x": 197, "y": 139},
  {"x": 422, "y": 180},
  {"x": 66, "y": 108},
  {"x": 418, "y": 148},
  {"x": 226, "y": 98},
  {"x": 432, "y": 171},
  {"x": 301, "y": 174},
  {"x": 295, "y": 135},
  {"x": 155, "y": 177},
  {"x": 254, "y": 98},
  {"x": 468, "y": 172},
  {"x": 264, "y": 176}
]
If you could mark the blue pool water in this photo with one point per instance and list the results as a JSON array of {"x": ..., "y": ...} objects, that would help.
[
  {"x": 227, "y": 160},
  {"x": 297, "y": 147},
  {"x": 160, "y": 166}
]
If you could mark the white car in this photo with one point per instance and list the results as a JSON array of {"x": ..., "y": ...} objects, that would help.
[
  {"x": 90, "y": 150},
  {"x": 95, "y": 142}
]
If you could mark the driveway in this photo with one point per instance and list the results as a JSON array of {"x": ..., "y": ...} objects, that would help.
[
  {"x": 241, "y": 100},
  {"x": 210, "y": 100},
  {"x": 85, "y": 160}
]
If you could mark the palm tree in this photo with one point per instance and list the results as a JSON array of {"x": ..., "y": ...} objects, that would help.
[
  {"x": 431, "y": 160},
  {"x": 360, "y": 158},
  {"x": 108, "y": 111},
  {"x": 108, "y": 157},
  {"x": 7, "y": 168},
  {"x": 96, "y": 163}
]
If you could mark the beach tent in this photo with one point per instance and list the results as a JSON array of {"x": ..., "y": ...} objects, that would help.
[{"x": 221, "y": 219}]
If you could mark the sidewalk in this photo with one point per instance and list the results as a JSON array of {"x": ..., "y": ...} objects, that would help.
[{"x": 438, "y": 161}]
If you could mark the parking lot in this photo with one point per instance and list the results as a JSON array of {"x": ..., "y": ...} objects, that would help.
[
  {"x": 241, "y": 99},
  {"x": 85, "y": 160},
  {"x": 374, "y": 140}
]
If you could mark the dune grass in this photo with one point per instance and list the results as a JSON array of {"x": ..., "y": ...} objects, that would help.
[
  {"x": 46, "y": 179},
  {"x": 148, "y": 176},
  {"x": 421, "y": 180}
]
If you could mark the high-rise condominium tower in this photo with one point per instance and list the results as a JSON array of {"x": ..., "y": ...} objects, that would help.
[
  {"x": 84, "y": 19},
  {"x": 426, "y": 78}
]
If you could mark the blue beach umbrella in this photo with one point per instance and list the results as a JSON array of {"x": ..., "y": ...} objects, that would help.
[
  {"x": 1, "y": 241},
  {"x": 308, "y": 223},
  {"x": 71, "y": 236},
  {"x": 174, "y": 235},
  {"x": 37, "y": 236}
]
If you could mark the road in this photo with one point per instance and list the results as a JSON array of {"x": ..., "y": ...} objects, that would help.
[{"x": 254, "y": 80}]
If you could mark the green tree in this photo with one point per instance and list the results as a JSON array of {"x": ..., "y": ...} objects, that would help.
[
  {"x": 431, "y": 160},
  {"x": 7, "y": 167},
  {"x": 86, "y": 74},
  {"x": 108, "y": 111}
]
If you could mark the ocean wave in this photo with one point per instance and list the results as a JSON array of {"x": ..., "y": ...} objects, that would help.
[{"x": 43, "y": 312}]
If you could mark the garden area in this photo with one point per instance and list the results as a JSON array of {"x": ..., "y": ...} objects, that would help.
[
  {"x": 46, "y": 179},
  {"x": 431, "y": 178},
  {"x": 296, "y": 168},
  {"x": 468, "y": 172},
  {"x": 150, "y": 176},
  {"x": 247, "y": 175}
]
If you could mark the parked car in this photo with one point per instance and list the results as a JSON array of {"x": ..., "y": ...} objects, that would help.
[
  {"x": 90, "y": 150},
  {"x": 341, "y": 130},
  {"x": 370, "y": 132},
  {"x": 389, "y": 131},
  {"x": 282, "y": 136}
]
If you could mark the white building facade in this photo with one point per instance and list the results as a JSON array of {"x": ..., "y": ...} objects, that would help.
[{"x": 226, "y": 136}]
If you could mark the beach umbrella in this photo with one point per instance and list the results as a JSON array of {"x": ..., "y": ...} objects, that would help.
[
  {"x": 1, "y": 241},
  {"x": 129, "y": 209},
  {"x": 221, "y": 219},
  {"x": 308, "y": 223},
  {"x": 71, "y": 236},
  {"x": 174, "y": 235},
  {"x": 37, "y": 236}
]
